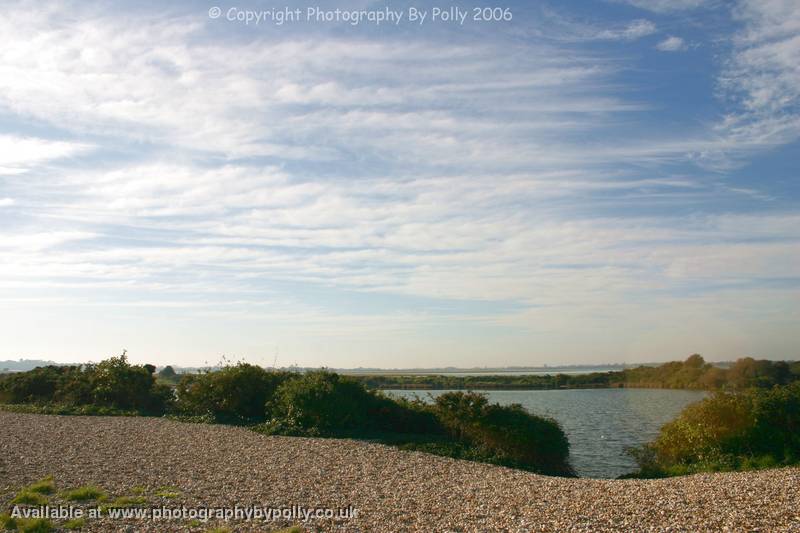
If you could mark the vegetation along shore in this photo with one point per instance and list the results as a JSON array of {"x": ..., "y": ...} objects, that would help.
[
  {"x": 320, "y": 440},
  {"x": 750, "y": 421}
]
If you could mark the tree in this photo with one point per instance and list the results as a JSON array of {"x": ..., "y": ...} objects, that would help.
[
  {"x": 695, "y": 361},
  {"x": 168, "y": 372}
]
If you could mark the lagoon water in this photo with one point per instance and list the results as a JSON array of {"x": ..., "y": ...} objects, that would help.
[{"x": 600, "y": 423}]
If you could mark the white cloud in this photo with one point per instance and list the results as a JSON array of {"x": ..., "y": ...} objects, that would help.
[
  {"x": 40, "y": 240},
  {"x": 6, "y": 202},
  {"x": 672, "y": 44},
  {"x": 633, "y": 31},
  {"x": 761, "y": 79},
  {"x": 764, "y": 70},
  {"x": 559, "y": 26},
  {"x": 663, "y": 6},
  {"x": 17, "y": 154}
]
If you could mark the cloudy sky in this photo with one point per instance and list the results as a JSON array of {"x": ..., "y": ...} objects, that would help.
[{"x": 596, "y": 181}]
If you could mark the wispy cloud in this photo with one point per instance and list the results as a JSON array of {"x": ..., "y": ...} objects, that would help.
[
  {"x": 761, "y": 80},
  {"x": 559, "y": 26},
  {"x": 672, "y": 44},
  {"x": 666, "y": 6},
  {"x": 18, "y": 154},
  {"x": 635, "y": 30},
  {"x": 763, "y": 72},
  {"x": 425, "y": 183}
]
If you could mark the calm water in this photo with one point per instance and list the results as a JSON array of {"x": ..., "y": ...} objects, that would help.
[{"x": 600, "y": 423}]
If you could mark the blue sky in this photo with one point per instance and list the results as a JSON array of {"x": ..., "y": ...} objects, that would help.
[{"x": 599, "y": 181}]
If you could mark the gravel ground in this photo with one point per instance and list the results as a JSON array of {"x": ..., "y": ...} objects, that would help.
[{"x": 393, "y": 490}]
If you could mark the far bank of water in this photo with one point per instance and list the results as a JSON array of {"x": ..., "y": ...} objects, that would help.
[{"x": 600, "y": 423}]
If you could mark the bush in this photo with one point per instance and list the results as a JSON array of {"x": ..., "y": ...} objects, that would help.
[
  {"x": 510, "y": 433},
  {"x": 400, "y": 415},
  {"x": 118, "y": 384},
  {"x": 322, "y": 402},
  {"x": 61, "y": 384},
  {"x": 729, "y": 431},
  {"x": 235, "y": 393},
  {"x": 168, "y": 373},
  {"x": 325, "y": 403},
  {"x": 112, "y": 384}
]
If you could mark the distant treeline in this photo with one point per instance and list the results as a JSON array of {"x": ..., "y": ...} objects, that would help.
[
  {"x": 693, "y": 373},
  {"x": 488, "y": 382}
]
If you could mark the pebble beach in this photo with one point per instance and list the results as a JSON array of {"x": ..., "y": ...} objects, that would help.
[{"x": 215, "y": 466}]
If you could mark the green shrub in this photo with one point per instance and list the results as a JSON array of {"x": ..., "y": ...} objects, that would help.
[
  {"x": 60, "y": 384},
  {"x": 112, "y": 384},
  {"x": 321, "y": 401},
  {"x": 756, "y": 428},
  {"x": 168, "y": 373},
  {"x": 460, "y": 412},
  {"x": 400, "y": 415},
  {"x": 235, "y": 393},
  {"x": 509, "y": 433},
  {"x": 116, "y": 383}
]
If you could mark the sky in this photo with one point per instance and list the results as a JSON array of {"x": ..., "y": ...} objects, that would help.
[{"x": 587, "y": 182}]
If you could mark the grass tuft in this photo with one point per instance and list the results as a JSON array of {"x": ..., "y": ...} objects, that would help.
[
  {"x": 27, "y": 497},
  {"x": 44, "y": 486},
  {"x": 83, "y": 494},
  {"x": 123, "y": 502},
  {"x": 36, "y": 525},
  {"x": 8, "y": 522},
  {"x": 75, "y": 524},
  {"x": 168, "y": 492}
]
